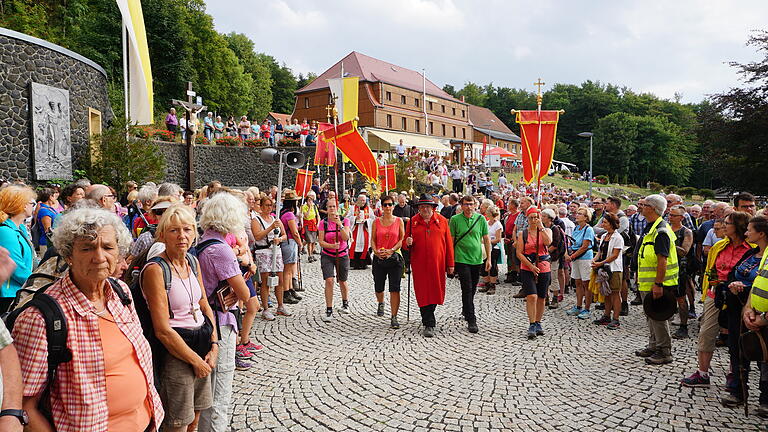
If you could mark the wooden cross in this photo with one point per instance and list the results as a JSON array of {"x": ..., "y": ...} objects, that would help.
[{"x": 190, "y": 105}]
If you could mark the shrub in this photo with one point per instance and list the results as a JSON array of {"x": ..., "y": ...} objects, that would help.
[
  {"x": 564, "y": 172},
  {"x": 163, "y": 135},
  {"x": 255, "y": 142},
  {"x": 671, "y": 188},
  {"x": 289, "y": 142},
  {"x": 228, "y": 141},
  {"x": 140, "y": 131},
  {"x": 706, "y": 193},
  {"x": 200, "y": 139},
  {"x": 687, "y": 191},
  {"x": 602, "y": 179},
  {"x": 656, "y": 187}
]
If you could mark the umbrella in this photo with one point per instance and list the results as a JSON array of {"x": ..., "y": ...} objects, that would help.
[{"x": 498, "y": 151}]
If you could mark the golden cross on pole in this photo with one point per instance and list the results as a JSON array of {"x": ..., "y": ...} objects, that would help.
[
  {"x": 328, "y": 110},
  {"x": 538, "y": 84}
]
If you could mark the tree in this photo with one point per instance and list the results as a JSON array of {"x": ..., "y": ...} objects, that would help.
[
  {"x": 303, "y": 81},
  {"x": 261, "y": 90},
  {"x": 283, "y": 84},
  {"x": 473, "y": 94},
  {"x": 450, "y": 90}
]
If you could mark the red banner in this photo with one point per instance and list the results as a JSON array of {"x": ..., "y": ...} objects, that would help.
[
  {"x": 538, "y": 130},
  {"x": 387, "y": 178},
  {"x": 303, "y": 182},
  {"x": 352, "y": 145},
  {"x": 325, "y": 152}
]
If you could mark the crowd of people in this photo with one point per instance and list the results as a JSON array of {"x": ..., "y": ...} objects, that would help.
[{"x": 162, "y": 286}]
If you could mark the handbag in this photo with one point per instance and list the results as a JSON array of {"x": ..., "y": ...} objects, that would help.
[
  {"x": 223, "y": 298},
  {"x": 199, "y": 339}
]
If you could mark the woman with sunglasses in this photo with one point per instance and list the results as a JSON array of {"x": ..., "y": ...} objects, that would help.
[{"x": 387, "y": 237}]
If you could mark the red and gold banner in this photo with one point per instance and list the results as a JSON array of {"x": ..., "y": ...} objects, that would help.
[
  {"x": 538, "y": 130},
  {"x": 352, "y": 145},
  {"x": 303, "y": 182},
  {"x": 387, "y": 178},
  {"x": 325, "y": 152}
]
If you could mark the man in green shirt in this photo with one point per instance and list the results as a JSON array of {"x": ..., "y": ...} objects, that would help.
[{"x": 470, "y": 235}]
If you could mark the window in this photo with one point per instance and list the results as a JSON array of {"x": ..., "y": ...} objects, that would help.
[
  {"x": 416, "y": 102},
  {"x": 402, "y": 99},
  {"x": 306, "y": 102},
  {"x": 454, "y": 131},
  {"x": 453, "y": 111},
  {"x": 417, "y": 124},
  {"x": 431, "y": 127},
  {"x": 462, "y": 113},
  {"x": 404, "y": 122},
  {"x": 442, "y": 107},
  {"x": 389, "y": 96},
  {"x": 430, "y": 106},
  {"x": 443, "y": 126},
  {"x": 463, "y": 133},
  {"x": 389, "y": 121}
]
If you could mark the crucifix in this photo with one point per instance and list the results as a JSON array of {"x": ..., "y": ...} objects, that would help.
[
  {"x": 328, "y": 110},
  {"x": 192, "y": 110},
  {"x": 538, "y": 84}
]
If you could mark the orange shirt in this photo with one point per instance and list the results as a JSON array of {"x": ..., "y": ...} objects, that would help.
[{"x": 128, "y": 403}]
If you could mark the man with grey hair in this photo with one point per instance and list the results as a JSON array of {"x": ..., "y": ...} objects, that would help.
[
  {"x": 673, "y": 200},
  {"x": 102, "y": 195},
  {"x": 630, "y": 210},
  {"x": 147, "y": 195},
  {"x": 171, "y": 190},
  {"x": 562, "y": 212},
  {"x": 657, "y": 272}
]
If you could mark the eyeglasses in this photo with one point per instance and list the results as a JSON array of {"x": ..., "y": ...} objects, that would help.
[
  {"x": 388, "y": 204},
  {"x": 109, "y": 196}
]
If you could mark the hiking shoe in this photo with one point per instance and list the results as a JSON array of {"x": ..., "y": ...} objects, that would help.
[
  {"x": 267, "y": 315},
  {"x": 282, "y": 311},
  {"x": 691, "y": 314},
  {"x": 730, "y": 382},
  {"x": 532, "y": 331},
  {"x": 294, "y": 295},
  {"x": 720, "y": 342},
  {"x": 242, "y": 353},
  {"x": 242, "y": 365},
  {"x": 289, "y": 298},
  {"x": 624, "y": 309},
  {"x": 520, "y": 294},
  {"x": 645, "y": 352},
  {"x": 554, "y": 303},
  {"x": 600, "y": 306},
  {"x": 539, "y": 330},
  {"x": 695, "y": 380},
  {"x": 345, "y": 310},
  {"x": 429, "y": 332},
  {"x": 731, "y": 401},
  {"x": 613, "y": 325},
  {"x": 573, "y": 311},
  {"x": 252, "y": 347},
  {"x": 491, "y": 290},
  {"x": 584, "y": 314},
  {"x": 327, "y": 317},
  {"x": 393, "y": 323},
  {"x": 603, "y": 320},
  {"x": 681, "y": 333},
  {"x": 380, "y": 310},
  {"x": 658, "y": 358},
  {"x": 472, "y": 327},
  {"x": 637, "y": 301}
]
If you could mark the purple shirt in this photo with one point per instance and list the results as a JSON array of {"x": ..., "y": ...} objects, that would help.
[
  {"x": 171, "y": 119},
  {"x": 288, "y": 216},
  {"x": 217, "y": 263}
]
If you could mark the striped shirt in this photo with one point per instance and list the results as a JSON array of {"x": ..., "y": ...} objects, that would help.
[{"x": 79, "y": 394}]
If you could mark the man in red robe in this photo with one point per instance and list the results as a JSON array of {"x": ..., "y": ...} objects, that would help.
[
  {"x": 429, "y": 241},
  {"x": 361, "y": 218}
]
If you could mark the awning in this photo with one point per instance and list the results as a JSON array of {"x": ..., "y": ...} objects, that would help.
[{"x": 384, "y": 140}]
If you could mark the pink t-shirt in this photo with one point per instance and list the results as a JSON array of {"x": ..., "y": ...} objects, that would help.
[
  {"x": 333, "y": 236},
  {"x": 182, "y": 293},
  {"x": 288, "y": 216},
  {"x": 387, "y": 236},
  {"x": 530, "y": 247}
]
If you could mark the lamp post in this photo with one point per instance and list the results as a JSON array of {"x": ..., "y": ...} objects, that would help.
[{"x": 589, "y": 135}]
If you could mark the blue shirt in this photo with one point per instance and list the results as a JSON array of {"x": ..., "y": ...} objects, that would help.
[
  {"x": 579, "y": 235},
  {"x": 746, "y": 272},
  {"x": 41, "y": 213},
  {"x": 16, "y": 240},
  {"x": 208, "y": 122}
]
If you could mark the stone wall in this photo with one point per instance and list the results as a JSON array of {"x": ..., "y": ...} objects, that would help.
[{"x": 24, "y": 59}]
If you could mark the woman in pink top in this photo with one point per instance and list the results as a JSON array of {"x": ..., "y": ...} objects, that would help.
[
  {"x": 387, "y": 236},
  {"x": 534, "y": 259},
  {"x": 183, "y": 322}
]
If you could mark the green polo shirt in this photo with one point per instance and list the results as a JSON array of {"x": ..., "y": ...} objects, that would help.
[{"x": 469, "y": 250}]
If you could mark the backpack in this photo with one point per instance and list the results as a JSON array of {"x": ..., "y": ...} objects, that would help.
[
  {"x": 55, "y": 328},
  {"x": 48, "y": 272}
]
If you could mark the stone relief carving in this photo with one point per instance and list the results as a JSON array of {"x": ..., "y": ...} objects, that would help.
[{"x": 51, "y": 149}]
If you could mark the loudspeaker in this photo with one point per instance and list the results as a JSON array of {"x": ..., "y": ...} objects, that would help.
[
  {"x": 291, "y": 159},
  {"x": 270, "y": 155}
]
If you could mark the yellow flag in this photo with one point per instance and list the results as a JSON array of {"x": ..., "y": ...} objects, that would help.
[{"x": 140, "y": 93}]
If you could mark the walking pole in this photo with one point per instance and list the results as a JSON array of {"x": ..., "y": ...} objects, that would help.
[{"x": 408, "y": 267}]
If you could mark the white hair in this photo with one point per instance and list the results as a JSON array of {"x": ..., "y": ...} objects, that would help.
[
  {"x": 147, "y": 193},
  {"x": 224, "y": 213},
  {"x": 169, "y": 189},
  {"x": 84, "y": 223},
  {"x": 658, "y": 203},
  {"x": 549, "y": 213}
]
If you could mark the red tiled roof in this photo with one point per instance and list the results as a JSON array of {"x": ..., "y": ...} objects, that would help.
[
  {"x": 484, "y": 118},
  {"x": 375, "y": 70},
  {"x": 284, "y": 118}
]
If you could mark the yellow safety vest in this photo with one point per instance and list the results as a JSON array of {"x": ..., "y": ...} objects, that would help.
[
  {"x": 759, "y": 294},
  {"x": 646, "y": 258}
]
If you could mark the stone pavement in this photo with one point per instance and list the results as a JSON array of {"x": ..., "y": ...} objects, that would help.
[{"x": 357, "y": 374}]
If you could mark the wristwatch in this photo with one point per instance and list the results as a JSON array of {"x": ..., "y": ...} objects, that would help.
[{"x": 18, "y": 413}]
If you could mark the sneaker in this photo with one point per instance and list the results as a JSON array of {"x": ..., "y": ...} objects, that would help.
[
  {"x": 242, "y": 365},
  {"x": 252, "y": 347},
  {"x": 380, "y": 310},
  {"x": 681, "y": 333},
  {"x": 691, "y": 315},
  {"x": 345, "y": 310},
  {"x": 584, "y": 314},
  {"x": 429, "y": 332},
  {"x": 559, "y": 298},
  {"x": 730, "y": 382},
  {"x": 731, "y": 401},
  {"x": 289, "y": 298},
  {"x": 294, "y": 295},
  {"x": 539, "y": 330},
  {"x": 624, "y": 309},
  {"x": 695, "y": 380},
  {"x": 645, "y": 352},
  {"x": 659, "y": 358},
  {"x": 603, "y": 320},
  {"x": 242, "y": 353},
  {"x": 532, "y": 331},
  {"x": 472, "y": 327},
  {"x": 282, "y": 311},
  {"x": 393, "y": 323},
  {"x": 554, "y": 303},
  {"x": 327, "y": 317},
  {"x": 613, "y": 325},
  {"x": 267, "y": 315},
  {"x": 573, "y": 311},
  {"x": 637, "y": 301}
]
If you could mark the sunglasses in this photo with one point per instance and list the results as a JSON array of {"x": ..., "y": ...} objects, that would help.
[{"x": 389, "y": 204}]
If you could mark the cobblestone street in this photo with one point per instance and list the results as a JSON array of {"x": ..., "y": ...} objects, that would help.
[{"x": 357, "y": 374}]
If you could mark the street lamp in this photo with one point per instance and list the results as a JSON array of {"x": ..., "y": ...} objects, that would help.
[{"x": 589, "y": 135}]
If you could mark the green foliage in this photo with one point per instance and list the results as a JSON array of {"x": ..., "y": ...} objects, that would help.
[
  {"x": 706, "y": 193},
  {"x": 671, "y": 188},
  {"x": 124, "y": 159},
  {"x": 283, "y": 84},
  {"x": 260, "y": 93},
  {"x": 687, "y": 191},
  {"x": 302, "y": 81},
  {"x": 656, "y": 187},
  {"x": 403, "y": 170}
]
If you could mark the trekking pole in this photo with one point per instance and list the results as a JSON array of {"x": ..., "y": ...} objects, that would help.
[{"x": 408, "y": 268}]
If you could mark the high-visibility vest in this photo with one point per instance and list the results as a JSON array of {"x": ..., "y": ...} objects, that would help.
[
  {"x": 759, "y": 294},
  {"x": 647, "y": 260}
]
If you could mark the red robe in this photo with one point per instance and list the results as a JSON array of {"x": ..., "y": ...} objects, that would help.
[{"x": 431, "y": 255}]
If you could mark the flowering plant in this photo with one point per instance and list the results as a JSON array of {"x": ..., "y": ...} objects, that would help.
[
  {"x": 289, "y": 142},
  {"x": 255, "y": 142},
  {"x": 228, "y": 141}
]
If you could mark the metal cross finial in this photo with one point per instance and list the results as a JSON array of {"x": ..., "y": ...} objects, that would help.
[{"x": 538, "y": 84}]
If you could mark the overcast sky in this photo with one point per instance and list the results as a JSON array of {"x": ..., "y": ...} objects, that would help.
[{"x": 658, "y": 46}]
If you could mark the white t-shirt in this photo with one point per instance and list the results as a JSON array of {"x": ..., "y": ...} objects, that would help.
[
  {"x": 711, "y": 238},
  {"x": 492, "y": 228},
  {"x": 569, "y": 226},
  {"x": 616, "y": 242},
  {"x": 457, "y": 174}
]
